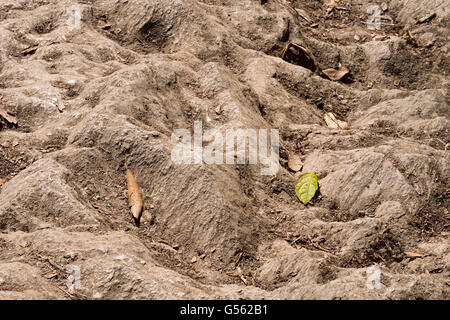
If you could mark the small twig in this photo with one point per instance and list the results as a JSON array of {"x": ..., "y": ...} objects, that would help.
[{"x": 66, "y": 292}]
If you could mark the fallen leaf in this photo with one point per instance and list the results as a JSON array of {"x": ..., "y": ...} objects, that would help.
[
  {"x": 334, "y": 74},
  {"x": 303, "y": 14},
  {"x": 51, "y": 274},
  {"x": 2, "y": 182},
  {"x": 306, "y": 187},
  {"x": 298, "y": 55},
  {"x": 61, "y": 106},
  {"x": 105, "y": 26},
  {"x": 7, "y": 116},
  {"x": 134, "y": 196},
  {"x": 23, "y": 244},
  {"x": 333, "y": 122},
  {"x": 380, "y": 37},
  {"x": 294, "y": 162},
  {"x": 430, "y": 43},
  {"x": 6, "y": 144},
  {"x": 71, "y": 255},
  {"x": 427, "y": 18},
  {"x": 413, "y": 255}
]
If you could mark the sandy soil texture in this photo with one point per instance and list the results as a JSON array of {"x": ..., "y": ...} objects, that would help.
[{"x": 90, "y": 88}]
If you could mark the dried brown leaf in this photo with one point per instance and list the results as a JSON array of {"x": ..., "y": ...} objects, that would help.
[
  {"x": 134, "y": 196},
  {"x": 7, "y": 116},
  {"x": 333, "y": 122},
  {"x": 334, "y": 74},
  {"x": 294, "y": 162}
]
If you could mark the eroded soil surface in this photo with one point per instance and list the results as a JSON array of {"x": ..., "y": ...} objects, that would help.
[{"x": 92, "y": 101}]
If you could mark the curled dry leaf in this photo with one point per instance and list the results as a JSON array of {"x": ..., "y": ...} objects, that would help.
[
  {"x": 7, "y": 117},
  {"x": 334, "y": 74},
  {"x": 6, "y": 144},
  {"x": 134, "y": 196},
  {"x": 333, "y": 122},
  {"x": 294, "y": 162}
]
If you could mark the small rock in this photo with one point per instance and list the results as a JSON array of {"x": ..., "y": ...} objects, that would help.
[{"x": 194, "y": 260}]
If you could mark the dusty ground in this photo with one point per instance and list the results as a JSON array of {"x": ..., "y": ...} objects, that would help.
[{"x": 93, "y": 101}]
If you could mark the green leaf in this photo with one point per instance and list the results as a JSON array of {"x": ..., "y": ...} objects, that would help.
[{"x": 306, "y": 187}]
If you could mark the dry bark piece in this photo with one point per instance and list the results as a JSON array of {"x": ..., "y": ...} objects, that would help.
[
  {"x": 294, "y": 162},
  {"x": 298, "y": 55},
  {"x": 134, "y": 196},
  {"x": 336, "y": 75}
]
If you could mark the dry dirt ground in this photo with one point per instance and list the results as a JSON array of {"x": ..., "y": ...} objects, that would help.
[{"x": 91, "y": 102}]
